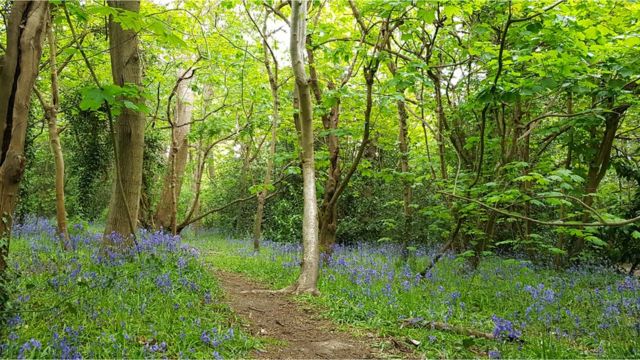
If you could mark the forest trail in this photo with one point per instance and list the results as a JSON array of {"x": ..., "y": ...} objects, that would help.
[{"x": 300, "y": 331}]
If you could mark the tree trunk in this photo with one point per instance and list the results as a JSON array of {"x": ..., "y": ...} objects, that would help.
[
  {"x": 166, "y": 211},
  {"x": 308, "y": 280},
  {"x": 435, "y": 77},
  {"x": 197, "y": 178},
  {"x": 598, "y": 167},
  {"x": 328, "y": 212},
  {"x": 403, "y": 140},
  {"x": 328, "y": 219},
  {"x": 129, "y": 131},
  {"x": 407, "y": 191},
  {"x": 275, "y": 118},
  {"x": 18, "y": 72},
  {"x": 241, "y": 224},
  {"x": 51, "y": 114}
]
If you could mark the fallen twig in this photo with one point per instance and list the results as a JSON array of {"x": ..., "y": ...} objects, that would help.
[{"x": 436, "y": 325}]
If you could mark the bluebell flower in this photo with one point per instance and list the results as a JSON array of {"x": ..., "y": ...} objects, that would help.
[
  {"x": 163, "y": 282},
  {"x": 504, "y": 329}
]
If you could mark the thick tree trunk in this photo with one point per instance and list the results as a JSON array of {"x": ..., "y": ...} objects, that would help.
[
  {"x": 308, "y": 280},
  {"x": 18, "y": 72},
  {"x": 129, "y": 131},
  {"x": 166, "y": 211}
]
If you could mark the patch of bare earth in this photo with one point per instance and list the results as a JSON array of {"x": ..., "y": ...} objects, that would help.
[{"x": 301, "y": 332}]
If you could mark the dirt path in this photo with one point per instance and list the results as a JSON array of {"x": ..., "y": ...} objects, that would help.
[{"x": 300, "y": 332}]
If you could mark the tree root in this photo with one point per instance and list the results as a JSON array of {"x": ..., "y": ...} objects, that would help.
[
  {"x": 294, "y": 289},
  {"x": 264, "y": 291}
]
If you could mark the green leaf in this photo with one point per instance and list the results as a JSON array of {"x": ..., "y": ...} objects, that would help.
[
  {"x": 555, "y": 250},
  {"x": 92, "y": 98},
  {"x": 595, "y": 241},
  {"x": 129, "y": 105}
]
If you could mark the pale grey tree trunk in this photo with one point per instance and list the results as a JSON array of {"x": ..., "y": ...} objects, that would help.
[
  {"x": 166, "y": 211},
  {"x": 308, "y": 280}
]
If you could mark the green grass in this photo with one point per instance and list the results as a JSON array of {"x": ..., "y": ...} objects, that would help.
[
  {"x": 581, "y": 313},
  {"x": 160, "y": 303}
]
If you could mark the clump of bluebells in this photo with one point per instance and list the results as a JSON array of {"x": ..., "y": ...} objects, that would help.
[
  {"x": 530, "y": 311},
  {"x": 152, "y": 300}
]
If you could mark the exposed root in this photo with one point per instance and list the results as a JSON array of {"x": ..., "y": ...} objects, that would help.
[
  {"x": 264, "y": 291},
  {"x": 294, "y": 289}
]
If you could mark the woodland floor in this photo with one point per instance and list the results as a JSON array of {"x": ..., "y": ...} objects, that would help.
[{"x": 295, "y": 331}]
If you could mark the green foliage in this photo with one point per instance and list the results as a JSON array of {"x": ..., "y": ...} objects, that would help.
[
  {"x": 115, "y": 96},
  {"x": 89, "y": 159}
]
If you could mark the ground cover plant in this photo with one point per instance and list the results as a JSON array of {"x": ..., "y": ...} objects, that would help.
[
  {"x": 533, "y": 311},
  {"x": 461, "y": 177},
  {"x": 157, "y": 301}
]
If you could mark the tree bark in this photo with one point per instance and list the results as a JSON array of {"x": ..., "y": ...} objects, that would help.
[
  {"x": 129, "y": 131},
  {"x": 328, "y": 219},
  {"x": 403, "y": 140},
  {"x": 328, "y": 212},
  {"x": 51, "y": 114},
  {"x": 308, "y": 280},
  {"x": 435, "y": 77},
  {"x": 272, "y": 72},
  {"x": 598, "y": 167},
  {"x": 197, "y": 178},
  {"x": 18, "y": 72},
  {"x": 166, "y": 211}
]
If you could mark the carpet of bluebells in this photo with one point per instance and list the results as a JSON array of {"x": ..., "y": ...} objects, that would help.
[
  {"x": 156, "y": 301},
  {"x": 533, "y": 311}
]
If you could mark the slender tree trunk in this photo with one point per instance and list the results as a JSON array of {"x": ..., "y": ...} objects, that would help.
[
  {"x": 403, "y": 140},
  {"x": 129, "y": 131},
  {"x": 275, "y": 119},
  {"x": 407, "y": 191},
  {"x": 435, "y": 77},
  {"x": 328, "y": 212},
  {"x": 243, "y": 188},
  {"x": 424, "y": 130},
  {"x": 197, "y": 178},
  {"x": 598, "y": 167},
  {"x": 18, "y": 71},
  {"x": 308, "y": 280},
  {"x": 262, "y": 196},
  {"x": 328, "y": 219},
  {"x": 559, "y": 259},
  {"x": 51, "y": 114},
  {"x": 166, "y": 211}
]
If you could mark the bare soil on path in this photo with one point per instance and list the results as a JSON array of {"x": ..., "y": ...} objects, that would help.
[{"x": 300, "y": 332}]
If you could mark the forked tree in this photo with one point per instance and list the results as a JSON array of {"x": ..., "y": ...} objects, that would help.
[
  {"x": 308, "y": 280},
  {"x": 19, "y": 67}
]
